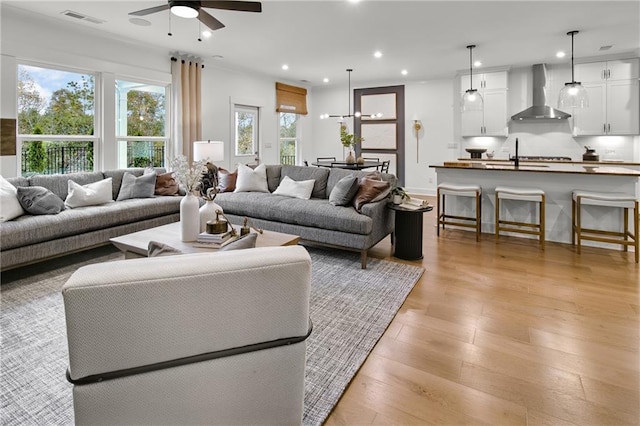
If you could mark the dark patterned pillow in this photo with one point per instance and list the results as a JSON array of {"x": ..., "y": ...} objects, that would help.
[{"x": 39, "y": 200}]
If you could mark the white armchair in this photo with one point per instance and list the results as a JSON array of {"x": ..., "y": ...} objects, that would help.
[{"x": 190, "y": 339}]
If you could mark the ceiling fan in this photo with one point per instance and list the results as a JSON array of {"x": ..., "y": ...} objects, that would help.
[{"x": 194, "y": 9}]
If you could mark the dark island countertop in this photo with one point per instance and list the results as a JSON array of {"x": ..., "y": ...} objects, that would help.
[{"x": 609, "y": 169}]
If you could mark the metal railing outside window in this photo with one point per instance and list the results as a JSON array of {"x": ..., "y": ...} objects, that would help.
[{"x": 57, "y": 159}]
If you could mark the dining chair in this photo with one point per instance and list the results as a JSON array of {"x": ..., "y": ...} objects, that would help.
[{"x": 384, "y": 168}]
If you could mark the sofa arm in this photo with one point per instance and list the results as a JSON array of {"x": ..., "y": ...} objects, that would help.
[
  {"x": 132, "y": 313},
  {"x": 382, "y": 217}
]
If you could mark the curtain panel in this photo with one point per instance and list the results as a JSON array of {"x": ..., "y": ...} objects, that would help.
[
  {"x": 291, "y": 99},
  {"x": 186, "y": 117}
]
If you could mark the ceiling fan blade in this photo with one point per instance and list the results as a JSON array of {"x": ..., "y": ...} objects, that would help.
[
  {"x": 209, "y": 20},
  {"x": 149, "y": 11},
  {"x": 242, "y": 6}
]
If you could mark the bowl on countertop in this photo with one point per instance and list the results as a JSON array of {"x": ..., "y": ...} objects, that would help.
[{"x": 476, "y": 152}]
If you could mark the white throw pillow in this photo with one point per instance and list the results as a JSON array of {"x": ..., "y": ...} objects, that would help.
[
  {"x": 252, "y": 180},
  {"x": 298, "y": 189},
  {"x": 10, "y": 207},
  {"x": 91, "y": 194}
]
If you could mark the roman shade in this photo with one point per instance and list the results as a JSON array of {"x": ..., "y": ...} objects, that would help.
[{"x": 291, "y": 99}]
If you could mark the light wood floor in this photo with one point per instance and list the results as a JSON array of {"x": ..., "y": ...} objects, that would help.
[{"x": 505, "y": 334}]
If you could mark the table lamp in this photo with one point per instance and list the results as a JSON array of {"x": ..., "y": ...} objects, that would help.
[{"x": 210, "y": 151}]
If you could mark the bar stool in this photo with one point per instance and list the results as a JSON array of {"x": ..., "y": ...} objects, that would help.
[
  {"x": 521, "y": 194},
  {"x": 606, "y": 199},
  {"x": 445, "y": 189}
]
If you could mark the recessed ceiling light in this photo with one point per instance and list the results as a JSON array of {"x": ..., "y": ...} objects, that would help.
[
  {"x": 354, "y": 1},
  {"x": 217, "y": 56},
  {"x": 606, "y": 47},
  {"x": 477, "y": 64},
  {"x": 285, "y": 67},
  {"x": 560, "y": 54},
  {"x": 377, "y": 54},
  {"x": 404, "y": 72},
  {"x": 325, "y": 80},
  {"x": 206, "y": 34}
]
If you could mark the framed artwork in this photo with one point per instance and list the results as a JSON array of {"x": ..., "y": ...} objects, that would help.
[
  {"x": 378, "y": 136},
  {"x": 384, "y": 104},
  {"x": 8, "y": 136}
]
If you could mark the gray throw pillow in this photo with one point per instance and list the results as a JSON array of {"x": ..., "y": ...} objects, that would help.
[
  {"x": 39, "y": 200},
  {"x": 245, "y": 242},
  {"x": 343, "y": 191},
  {"x": 137, "y": 187},
  {"x": 156, "y": 249}
]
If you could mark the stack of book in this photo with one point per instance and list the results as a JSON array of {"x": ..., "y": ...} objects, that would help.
[
  {"x": 414, "y": 203},
  {"x": 213, "y": 240}
]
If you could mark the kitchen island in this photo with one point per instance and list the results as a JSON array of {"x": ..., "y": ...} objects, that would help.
[{"x": 557, "y": 180}]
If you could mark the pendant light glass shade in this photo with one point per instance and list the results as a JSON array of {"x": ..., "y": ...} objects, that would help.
[
  {"x": 573, "y": 94},
  {"x": 471, "y": 99}
]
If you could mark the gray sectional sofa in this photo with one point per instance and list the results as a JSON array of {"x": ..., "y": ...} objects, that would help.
[
  {"x": 28, "y": 238},
  {"x": 314, "y": 220}
]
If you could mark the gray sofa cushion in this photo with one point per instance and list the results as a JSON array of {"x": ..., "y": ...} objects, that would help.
[
  {"x": 319, "y": 174},
  {"x": 59, "y": 184},
  {"x": 311, "y": 213},
  {"x": 137, "y": 186},
  {"x": 39, "y": 200},
  {"x": 117, "y": 175},
  {"x": 343, "y": 192},
  {"x": 34, "y": 229}
]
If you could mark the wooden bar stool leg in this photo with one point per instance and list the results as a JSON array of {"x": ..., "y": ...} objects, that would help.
[
  {"x": 625, "y": 211},
  {"x": 573, "y": 222},
  {"x": 438, "y": 212},
  {"x": 636, "y": 224},
  {"x": 444, "y": 210},
  {"x": 497, "y": 215},
  {"x": 578, "y": 224},
  {"x": 478, "y": 215},
  {"x": 542, "y": 223}
]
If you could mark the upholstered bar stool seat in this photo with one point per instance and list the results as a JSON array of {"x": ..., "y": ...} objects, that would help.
[
  {"x": 459, "y": 190},
  {"x": 607, "y": 199},
  {"x": 521, "y": 194}
]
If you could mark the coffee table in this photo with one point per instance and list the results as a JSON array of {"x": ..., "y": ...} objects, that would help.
[{"x": 135, "y": 244}]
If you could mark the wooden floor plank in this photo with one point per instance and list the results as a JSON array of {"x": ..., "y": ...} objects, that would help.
[{"x": 549, "y": 334}]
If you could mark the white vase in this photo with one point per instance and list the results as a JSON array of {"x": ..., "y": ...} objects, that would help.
[
  {"x": 207, "y": 213},
  {"x": 189, "y": 218}
]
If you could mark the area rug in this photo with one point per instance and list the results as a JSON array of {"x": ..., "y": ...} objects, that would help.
[{"x": 350, "y": 308}]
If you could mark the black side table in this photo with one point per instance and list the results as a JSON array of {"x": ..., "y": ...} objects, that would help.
[{"x": 407, "y": 243}]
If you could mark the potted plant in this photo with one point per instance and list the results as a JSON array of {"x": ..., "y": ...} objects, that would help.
[
  {"x": 399, "y": 195},
  {"x": 349, "y": 141}
]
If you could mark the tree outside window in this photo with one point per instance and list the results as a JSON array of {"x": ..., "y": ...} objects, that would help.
[
  {"x": 246, "y": 123},
  {"x": 60, "y": 106},
  {"x": 288, "y": 138}
]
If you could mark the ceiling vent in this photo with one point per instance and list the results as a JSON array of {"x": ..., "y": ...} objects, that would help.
[{"x": 82, "y": 17}]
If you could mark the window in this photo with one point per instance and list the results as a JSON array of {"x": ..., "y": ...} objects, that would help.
[
  {"x": 140, "y": 124},
  {"x": 56, "y": 120},
  {"x": 246, "y": 125},
  {"x": 288, "y": 138}
]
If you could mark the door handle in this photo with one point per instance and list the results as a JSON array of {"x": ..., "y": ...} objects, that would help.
[{"x": 609, "y": 128}]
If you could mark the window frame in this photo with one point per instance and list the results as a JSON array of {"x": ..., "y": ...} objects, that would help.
[
  {"x": 96, "y": 138},
  {"x": 256, "y": 129},
  {"x": 295, "y": 139},
  {"x": 122, "y": 162}
]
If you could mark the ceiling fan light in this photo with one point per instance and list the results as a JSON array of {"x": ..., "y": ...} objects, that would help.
[
  {"x": 184, "y": 11},
  {"x": 573, "y": 95}
]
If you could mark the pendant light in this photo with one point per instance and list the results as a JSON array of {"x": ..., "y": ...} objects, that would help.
[
  {"x": 349, "y": 114},
  {"x": 471, "y": 100},
  {"x": 573, "y": 94}
]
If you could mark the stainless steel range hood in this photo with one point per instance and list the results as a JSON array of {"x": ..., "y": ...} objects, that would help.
[{"x": 540, "y": 110}]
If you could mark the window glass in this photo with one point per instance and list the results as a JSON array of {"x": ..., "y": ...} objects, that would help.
[
  {"x": 60, "y": 105},
  {"x": 246, "y": 124},
  {"x": 288, "y": 138},
  {"x": 140, "y": 124}
]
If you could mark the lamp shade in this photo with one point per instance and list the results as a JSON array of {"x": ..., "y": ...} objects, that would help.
[
  {"x": 471, "y": 101},
  {"x": 208, "y": 150},
  {"x": 573, "y": 95}
]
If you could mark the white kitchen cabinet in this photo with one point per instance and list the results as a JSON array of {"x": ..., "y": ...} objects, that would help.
[
  {"x": 614, "y": 98},
  {"x": 492, "y": 120}
]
